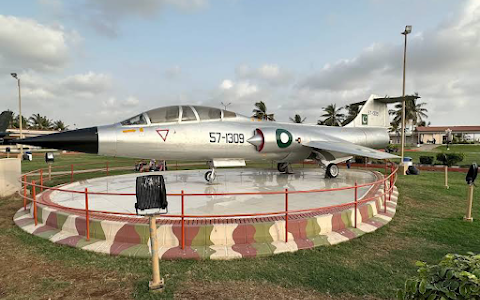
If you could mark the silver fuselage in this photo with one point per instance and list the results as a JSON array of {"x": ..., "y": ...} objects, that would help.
[{"x": 223, "y": 139}]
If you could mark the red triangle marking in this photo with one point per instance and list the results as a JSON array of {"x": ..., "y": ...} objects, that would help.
[{"x": 163, "y": 133}]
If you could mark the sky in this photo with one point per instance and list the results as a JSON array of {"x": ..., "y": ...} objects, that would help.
[{"x": 95, "y": 62}]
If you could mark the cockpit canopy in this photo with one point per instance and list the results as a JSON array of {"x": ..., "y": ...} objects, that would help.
[{"x": 175, "y": 114}]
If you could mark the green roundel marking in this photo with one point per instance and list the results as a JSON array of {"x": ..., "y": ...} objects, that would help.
[{"x": 284, "y": 138}]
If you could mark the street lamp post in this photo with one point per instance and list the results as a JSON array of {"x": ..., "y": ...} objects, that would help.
[
  {"x": 20, "y": 119},
  {"x": 226, "y": 105},
  {"x": 408, "y": 29}
]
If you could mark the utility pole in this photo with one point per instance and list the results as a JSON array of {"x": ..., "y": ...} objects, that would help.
[
  {"x": 408, "y": 29},
  {"x": 20, "y": 119}
]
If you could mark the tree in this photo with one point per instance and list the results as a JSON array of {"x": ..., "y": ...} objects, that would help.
[
  {"x": 40, "y": 122},
  {"x": 297, "y": 119},
  {"x": 59, "y": 125},
  {"x": 16, "y": 124},
  {"x": 395, "y": 128},
  {"x": 332, "y": 115},
  {"x": 260, "y": 112},
  {"x": 414, "y": 112},
  {"x": 353, "y": 111}
]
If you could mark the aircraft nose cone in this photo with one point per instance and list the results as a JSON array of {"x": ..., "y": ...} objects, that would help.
[
  {"x": 257, "y": 140},
  {"x": 81, "y": 140}
]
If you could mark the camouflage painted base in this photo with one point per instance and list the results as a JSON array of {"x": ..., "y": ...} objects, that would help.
[{"x": 212, "y": 239}]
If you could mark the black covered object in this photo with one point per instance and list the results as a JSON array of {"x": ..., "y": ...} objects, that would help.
[
  {"x": 151, "y": 193},
  {"x": 472, "y": 173},
  {"x": 412, "y": 170},
  {"x": 49, "y": 157}
]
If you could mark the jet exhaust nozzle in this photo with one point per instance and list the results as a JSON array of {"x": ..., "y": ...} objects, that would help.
[{"x": 81, "y": 140}]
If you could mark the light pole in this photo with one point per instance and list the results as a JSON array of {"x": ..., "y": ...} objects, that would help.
[
  {"x": 226, "y": 105},
  {"x": 408, "y": 29},
  {"x": 20, "y": 119}
]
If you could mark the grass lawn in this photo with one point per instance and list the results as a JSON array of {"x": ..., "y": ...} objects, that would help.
[
  {"x": 472, "y": 153},
  {"x": 428, "y": 225}
]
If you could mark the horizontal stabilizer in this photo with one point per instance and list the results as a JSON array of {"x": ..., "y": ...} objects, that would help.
[{"x": 350, "y": 148}]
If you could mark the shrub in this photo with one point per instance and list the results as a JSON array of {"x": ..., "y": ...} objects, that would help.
[
  {"x": 450, "y": 159},
  {"x": 359, "y": 160},
  {"x": 426, "y": 160},
  {"x": 391, "y": 148},
  {"x": 455, "y": 277}
]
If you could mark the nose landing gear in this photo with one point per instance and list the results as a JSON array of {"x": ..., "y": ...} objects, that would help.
[{"x": 210, "y": 176}]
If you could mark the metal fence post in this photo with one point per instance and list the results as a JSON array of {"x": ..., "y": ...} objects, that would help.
[
  {"x": 390, "y": 191},
  {"x": 286, "y": 215},
  {"x": 71, "y": 173},
  {"x": 183, "y": 221},
  {"x": 356, "y": 202},
  {"x": 87, "y": 215},
  {"x": 41, "y": 180},
  {"x": 34, "y": 196},
  {"x": 24, "y": 192},
  {"x": 385, "y": 194},
  {"x": 106, "y": 167}
]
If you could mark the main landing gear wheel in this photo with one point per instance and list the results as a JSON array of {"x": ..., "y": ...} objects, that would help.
[
  {"x": 282, "y": 167},
  {"x": 210, "y": 176},
  {"x": 332, "y": 171}
]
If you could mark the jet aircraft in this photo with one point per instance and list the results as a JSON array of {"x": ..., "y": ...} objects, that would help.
[
  {"x": 5, "y": 118},
  {"x": 226, "y": 139}
]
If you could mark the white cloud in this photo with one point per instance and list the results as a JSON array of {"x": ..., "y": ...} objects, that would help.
[
  {"x": 90, "y": 82},
  {"x": 27, "y": 44},
  {"x": 226, "y": 84},
  {"x": 237, "y": 91},
  {"x": 131, "y": 102},
  {"x": 442, "y": 66},
  {"x": 270, "y": 74},
  {"x": 105, "y": 16}
]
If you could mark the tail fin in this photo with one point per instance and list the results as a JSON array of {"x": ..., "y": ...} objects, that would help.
[
  {"x": 5, "y": 118},
  {"x": 374, "y": 113}
]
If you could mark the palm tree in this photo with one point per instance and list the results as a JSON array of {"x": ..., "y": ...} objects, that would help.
[
  {"x": 414, "y": 112},
  {"x": 59, "y": 125},
  {"x": 353, "y": 111},
  {"x": 332, "y": 115},
  {"x": 260, "y": 112},
  {"x": 35, "y": 121},
  {"x": 395, "y": 127},
  {"x": 16, "y": 124},
  {"x": 297, "y": 119},
  {"x": 38, "y": 121}
]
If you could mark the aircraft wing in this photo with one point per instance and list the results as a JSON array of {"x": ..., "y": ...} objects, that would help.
[{"x": 349, "y": 148}]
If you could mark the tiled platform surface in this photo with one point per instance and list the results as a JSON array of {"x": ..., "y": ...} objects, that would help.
[{"x": 234, "y": 238}]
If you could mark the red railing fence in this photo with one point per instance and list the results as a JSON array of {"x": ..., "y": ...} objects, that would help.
[{"x": 386, "y": 178}]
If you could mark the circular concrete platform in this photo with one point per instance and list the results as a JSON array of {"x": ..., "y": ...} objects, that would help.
[
  {"x": 228, "y": 181},
  {"x": 327, "y": 217}
]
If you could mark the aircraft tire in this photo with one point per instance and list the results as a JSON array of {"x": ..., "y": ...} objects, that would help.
[
  {"x": 210, "y": 176},
  {"x": 332, "y": 171},
  {"x": 282, "y": 167}
]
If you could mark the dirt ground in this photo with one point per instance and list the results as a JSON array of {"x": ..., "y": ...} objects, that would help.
[{"x": 251, "y": 290}]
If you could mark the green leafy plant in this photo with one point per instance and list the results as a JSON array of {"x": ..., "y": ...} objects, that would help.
[
  {"x": 455, "y": 277},
  {"x": 450, "y": 159},
  {"x": 359, "y": 160},
  {"x": 426, "y": 160}
]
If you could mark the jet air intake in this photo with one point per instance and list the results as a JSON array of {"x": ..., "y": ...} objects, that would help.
[
  {"x": 81, "y": 140},
  {"x": 271, "y": 140}
]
